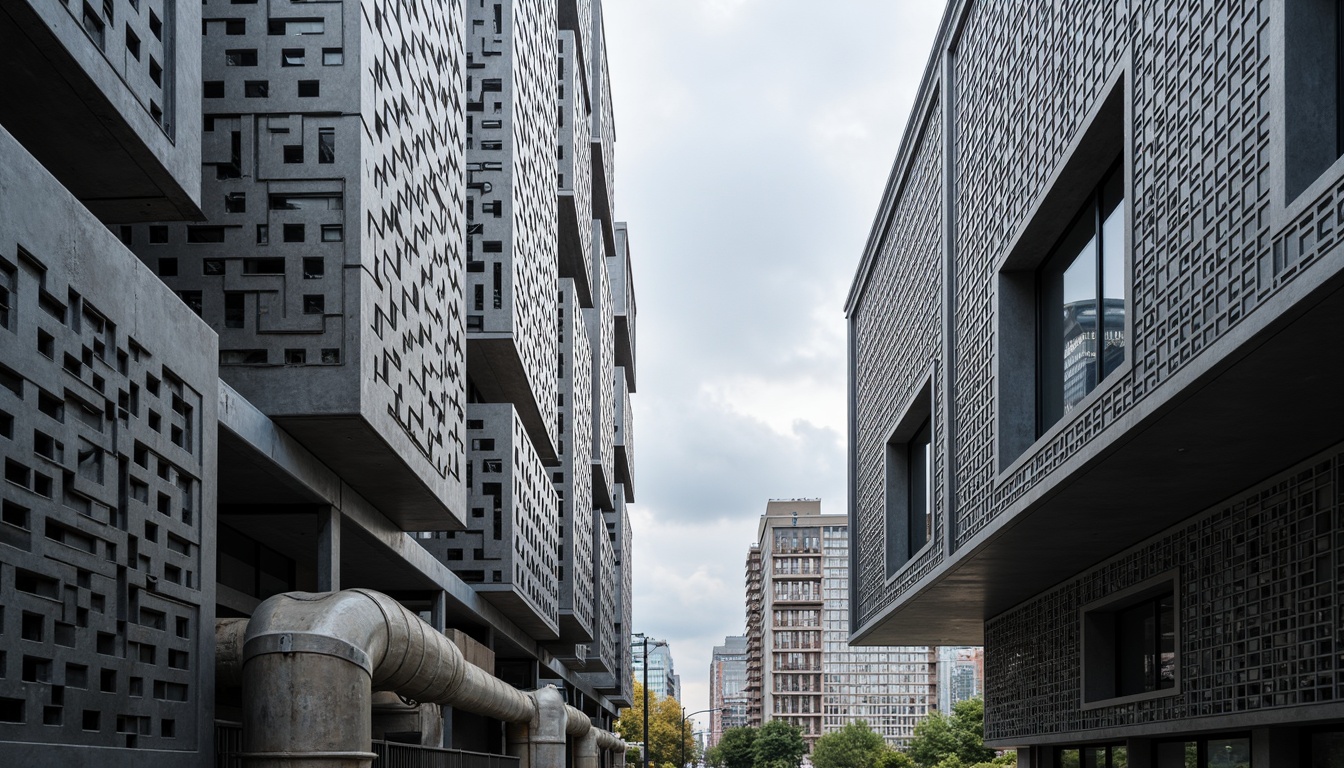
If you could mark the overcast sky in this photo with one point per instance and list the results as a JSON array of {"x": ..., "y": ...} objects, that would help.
[{"x": 753, "y": 141}]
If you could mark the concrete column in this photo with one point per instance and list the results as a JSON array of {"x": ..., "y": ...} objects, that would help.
[
  {"x": 518, "y": 737},
  {"x": 1139, "y": 753},
  {"x": 328, "y": 549}
]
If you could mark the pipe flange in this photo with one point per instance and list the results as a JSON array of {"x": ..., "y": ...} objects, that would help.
[{"x": 307, "y": 642}]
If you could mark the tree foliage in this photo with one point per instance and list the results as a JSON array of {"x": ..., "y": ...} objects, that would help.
[
  {"x": 736, "y": 749},
  {"x": 854, "y": 746},
  {"x": 779, "y": 745},
  {"x": 952, "y": 741},
  {"x": 667, "y": 736}
]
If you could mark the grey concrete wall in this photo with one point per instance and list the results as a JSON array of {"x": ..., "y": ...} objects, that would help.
[
  {"x": 574, "y": 166},
  {"x": 335, "y": 219},
  {"x": 1212, "y": 243},
  {"x": 1258, "y": 625},
  {"x": 623, "y": 298},
  {"x": 601, "y": 334},
  {"x": 574, "y": 477},
  {"x": 512, "y": 204},
  {"x": 108, "y": 432},
  {"x": 107, "y": 97},
  {"x": 509, "y": 550}
]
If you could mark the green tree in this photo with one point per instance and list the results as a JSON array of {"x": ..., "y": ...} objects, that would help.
[
  {"x": 666, "y": 734},
  {"x": 939, "y": 738},
  {"x": 779, "y": 745},
  {"x": 736, "y": 749},
  {"x": 854, "y": 746},
  {"x": 891, "y": 758}
]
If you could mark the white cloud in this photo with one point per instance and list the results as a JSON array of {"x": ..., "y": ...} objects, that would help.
[{"x": 754, "y": 139}]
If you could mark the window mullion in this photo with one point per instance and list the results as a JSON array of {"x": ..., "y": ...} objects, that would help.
[{"x": 1099, "y": 248}]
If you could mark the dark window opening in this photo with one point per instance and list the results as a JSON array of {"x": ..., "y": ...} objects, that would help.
[
  {"x": 313, "y": 268},
  {"x": 234, "y": 310},
  {"x": 241, "y": 57},
  {"x": 309, "y": 89},
  {"x": 1145, "y": 647},
  {"x": 1081, "y": 304},
  {"x": 326, "y": 145},
  {"x": 293, "y": 233},
  {"x": 1130, "y": 645},
  {"x": 256, "y": 89},
  {"x": 205, "y": 234},
  {"x": 291, "y": 57}
]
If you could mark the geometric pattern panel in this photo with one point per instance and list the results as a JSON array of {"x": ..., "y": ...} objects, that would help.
[
  {"x": 897, "y": 336},
  {"x": 574, "y": 477},
  {"x": 574, "y": 171},
  {"x": 512, "y": 534},
  {"x": 1204, "y": 251},
  {"x": 601, "y": 334},
  {"x": 333, "y": 183},
  {"x": 1259, "y": 625},
  {"x": 136, "y": 39},
  {"x": 1006, "y": 148},
  {"x": 511, "y": 179},
  {"x": 107, "y": 421}
]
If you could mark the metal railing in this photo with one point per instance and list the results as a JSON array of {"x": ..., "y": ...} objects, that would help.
[{"x": 391, "y": 754}]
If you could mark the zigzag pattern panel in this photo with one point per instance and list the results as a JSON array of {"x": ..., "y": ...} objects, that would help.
[
  {"x": 575, "y": 479},
  {"x": 511, "y": 181},
  {"x": 601, "y": 323},
  {"x": 414, "y": 218}
]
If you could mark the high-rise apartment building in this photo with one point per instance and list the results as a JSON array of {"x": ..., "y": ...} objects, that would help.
[
  {"x": 1095, "y": 413},
  {"x": 662, "y": 674},
  {"x": 798, "y": 629},
  {"x": 961, "y": 675},
  {"x": 727, "y": 687},
  {"x": 306, "y": 297}
]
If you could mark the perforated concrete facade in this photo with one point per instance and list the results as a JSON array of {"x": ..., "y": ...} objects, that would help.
[
  {"x": 601, "y": 335},
  {"x": 309, "y": 430},
  {"x": 1207, "y": 449},
  {"x": 574, "y": 172},
  {"x": 511, "y": 194},
  {"x": 509, "y": 549},
  {"x": 574, "y": 478},
  {"x": 107, "y": 429},
  {"x": 335, "y": 229},
  {"x": 107, "y": 97}
]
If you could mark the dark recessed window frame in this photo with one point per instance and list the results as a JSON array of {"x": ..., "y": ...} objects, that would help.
[
  {"x": 908, "y": 487},
  {"x": 1131, "y": 644},
  {"x": 1082, "y": 298}
]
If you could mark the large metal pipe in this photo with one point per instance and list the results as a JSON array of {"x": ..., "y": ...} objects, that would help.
[{"x": 310, "y": 663}]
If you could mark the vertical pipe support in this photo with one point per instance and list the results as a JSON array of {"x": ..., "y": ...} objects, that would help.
[{"x": 546, "y": 737}]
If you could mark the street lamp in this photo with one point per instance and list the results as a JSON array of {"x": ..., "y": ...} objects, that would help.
[
  {"x": 656, "y": 643},
  {"x": 684, "y": 718}
]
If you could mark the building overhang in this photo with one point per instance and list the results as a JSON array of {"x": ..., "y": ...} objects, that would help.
[{"x": 1264, "y": 396}]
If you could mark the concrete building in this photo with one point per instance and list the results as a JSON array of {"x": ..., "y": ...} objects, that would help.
[
  {"x": 961, "y": 675},
  {"x": 727, "y": 687},
  {"x": 1092, "y": 428},
  {"x": 663, "y": 678},
  {"x": 287, "y": 286},
  {"x": 797, "y": 635}
]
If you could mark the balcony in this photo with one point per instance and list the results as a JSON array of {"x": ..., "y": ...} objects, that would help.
[
  {"x": 625, "y": 436},
  {"x": 623, "y": 303}
]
